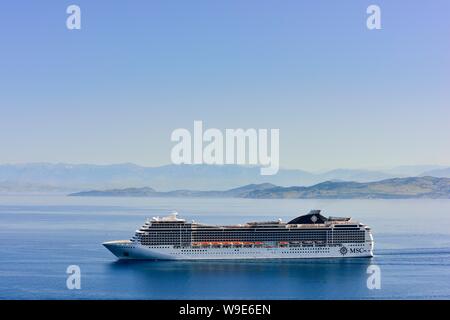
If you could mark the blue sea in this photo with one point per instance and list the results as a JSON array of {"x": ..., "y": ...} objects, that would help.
[{"x": 41, "y": 235}]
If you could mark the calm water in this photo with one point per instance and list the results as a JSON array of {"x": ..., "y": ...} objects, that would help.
[{"x": 41, "y": 235}]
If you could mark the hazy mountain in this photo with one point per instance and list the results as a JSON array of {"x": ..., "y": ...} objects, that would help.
[
  {"x": 412, "y": 170},
  {"x": 127, "y": 192},
  {"x": 240, "y": 192},
  {"x": 44, "y": 176},
  {"x": 354, "y": 175},
  {"x": 442, "y": 173},
  {"x": 398, "y": 188}
]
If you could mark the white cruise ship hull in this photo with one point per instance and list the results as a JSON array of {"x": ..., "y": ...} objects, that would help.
[{"x": 130, "y": 250}]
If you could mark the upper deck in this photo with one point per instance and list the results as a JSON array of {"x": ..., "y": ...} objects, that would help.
[
  {"x": 312, "y": 227},
  {"x": 313, "y": 220}
]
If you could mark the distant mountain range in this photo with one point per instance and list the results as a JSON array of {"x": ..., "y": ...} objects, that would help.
[
  {"x": 240, "y": 192},
  {"x": 397, "y": 188},
  {"x": 46, "y": 177},
  {"x": 442, "y": 173}
]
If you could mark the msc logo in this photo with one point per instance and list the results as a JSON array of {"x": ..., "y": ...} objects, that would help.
[
  {"x": 343, "y": 251},
  {"x": 357, "y": 250}
]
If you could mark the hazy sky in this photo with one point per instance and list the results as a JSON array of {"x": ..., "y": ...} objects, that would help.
[{"x": 341, "y": 95}]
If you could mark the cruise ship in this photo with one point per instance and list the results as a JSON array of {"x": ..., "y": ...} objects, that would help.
[{"x": 308, "y": 236}]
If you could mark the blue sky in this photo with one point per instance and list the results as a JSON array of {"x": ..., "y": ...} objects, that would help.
[{"x": 341, "y": 95}]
